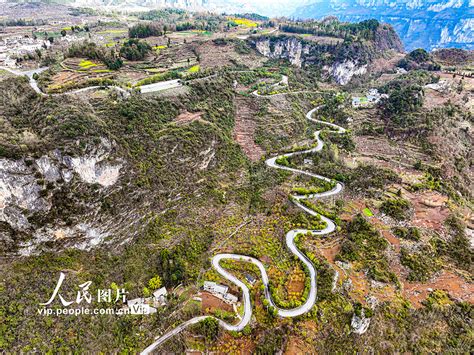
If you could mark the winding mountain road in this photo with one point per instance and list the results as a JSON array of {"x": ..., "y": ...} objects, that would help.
[
  {"x": 290, "y": 242},
  {"x": 290, "y": 236},
  {"x": 34, "y": 85}
]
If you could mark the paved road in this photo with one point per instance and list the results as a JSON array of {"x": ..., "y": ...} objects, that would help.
[
  {"x": 282, "y": 82},
  {"x": 35, "y": 87},
  {"x": 29, "y": 74},
  {"x": 290, "y": 242},
  {"x": 163, "y": 85}
]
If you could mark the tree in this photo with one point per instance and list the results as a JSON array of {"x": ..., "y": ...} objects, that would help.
[
  {"x": 134, "y": 49},
  {"x": 209, "y": 327},
  {"x": 419, "y": 55},
  {"x": 247, "y": 330},
  {"x": 145, "y": 30},
  {"x": 63, "y": 33},
  {"x": 155, "y": 283}
]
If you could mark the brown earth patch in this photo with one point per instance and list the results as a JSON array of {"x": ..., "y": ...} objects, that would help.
[
  {"x": 435, "y": 98},
  {"x": 383, "y": 64},
  {"x": 211, "y": 303},
  {"x": 416, "y": 292},
  {"x": 330, "y": 252},
  {"x": 228, "y": 344},
  {"x": 67, "y": 76},
  {"x": 296, "y": 345},
  {"x": 397, "y": 153},
  {"x": 453, "y": 284},
  {"x": 212, "y": 56},
  {"x": 295, "y": 285},
  {"x": 245, "y": 125},
  {"x": 186, "y": 117},
  {"x": 430, "y": 209}
]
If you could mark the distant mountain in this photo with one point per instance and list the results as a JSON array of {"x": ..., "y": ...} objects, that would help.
[
  {"x": 263, "y": 7},
  {"x": 425, "y": 24}
]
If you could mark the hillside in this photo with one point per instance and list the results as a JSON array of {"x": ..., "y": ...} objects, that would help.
[{"x": 177, "y": 182}]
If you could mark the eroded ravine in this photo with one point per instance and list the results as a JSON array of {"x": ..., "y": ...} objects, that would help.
[{"x": 290, "y": 242}]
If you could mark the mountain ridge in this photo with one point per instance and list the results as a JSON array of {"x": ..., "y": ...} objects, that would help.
[{"x": 423, "y": 24}]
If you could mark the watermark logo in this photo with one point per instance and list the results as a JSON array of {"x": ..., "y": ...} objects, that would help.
[{"x": 85, "y": 297}]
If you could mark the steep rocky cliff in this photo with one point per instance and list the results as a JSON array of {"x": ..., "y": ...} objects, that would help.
[
  {"x": 78, "y": 174},
  {"x": 420, "y": 24},
  {"x": 341, "y": 61}
]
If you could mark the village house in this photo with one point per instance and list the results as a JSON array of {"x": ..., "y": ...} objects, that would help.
[
  {"x": 215, "y": 288},
  {"x": 159, "y": 296},
  {"x": 220, "y": 291},
  {"x": 250, "y": 279},
  {"x": 158, "y": 299},
  {"x": 371, "y": 99}
]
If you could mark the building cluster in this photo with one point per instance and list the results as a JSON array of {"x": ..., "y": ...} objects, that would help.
[
  {"x": 220, "y": 291},
  {"x": 150, "y": 304},
  {"x": 371, "y": 99},
  {"x": 12, "y": 47},
  {"x": 16, "y": 46}
]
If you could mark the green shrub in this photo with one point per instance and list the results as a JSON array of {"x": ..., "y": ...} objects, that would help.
[
  {"x": 283, "y": 160},
  {"x": 422, "y": 264},
  {"x": 410, "y": 233},
  {"x": 397, "y": 208},
  {"x": 209, "y": 327}
]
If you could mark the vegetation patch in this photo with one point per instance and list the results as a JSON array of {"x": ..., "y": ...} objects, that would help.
[
  {"x": 366, "y": 246},
  {"x": 422, "y": 263},
  {"x": 367, "y": 212},
  {"x": 397, "y": 208},
  {"x": 243, "y": 22},
  {"x": 410, "y": 233},
  {"x": 87, "y": 64},
  {"x": 194, "y": 69}
]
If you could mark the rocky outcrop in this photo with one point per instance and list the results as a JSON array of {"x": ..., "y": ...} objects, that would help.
[
  {"x": 343, "y": 72},
  {"x": 360, "y": 324},
  {"x": 27, "y": 189},
  {"x": 82, "y": 236},
  {"x": 300, "y": 53},
  {"x": 19, "y": 194},
  {"x": 387, "y": 39},
  {"x": 288, "y": 48}
]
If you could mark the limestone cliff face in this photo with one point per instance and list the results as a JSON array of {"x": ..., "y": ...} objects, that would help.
[
  {"x": 343, "y": 72},
  {"x": 290, "y": 48},
  {"x": 301, "y": 53},
  {"x": 30, "y": 188},
  {"x": 427, "y": 24}
]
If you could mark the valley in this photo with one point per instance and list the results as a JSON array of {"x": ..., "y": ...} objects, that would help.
[{"x": 256, "y": 185}]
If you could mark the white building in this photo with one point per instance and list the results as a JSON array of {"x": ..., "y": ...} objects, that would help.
[
  {"x": 230, "y": 298},
  {"x": 159, "y": 296},
  {"x": 212, "y": 287},
  {"x": 220, "y": 291},
  {"x": 373, "y": 97}
]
